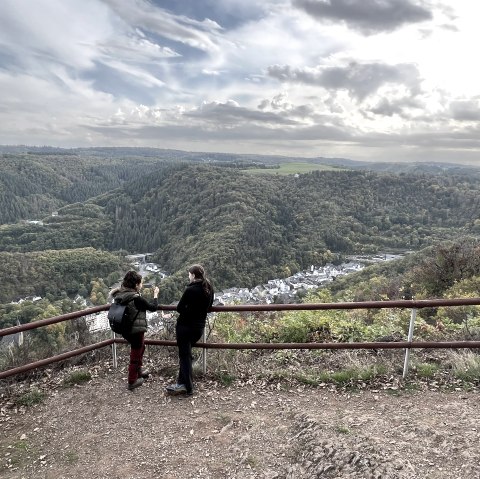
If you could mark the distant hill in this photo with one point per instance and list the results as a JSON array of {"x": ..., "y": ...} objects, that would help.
[{"x": 428, "y": 167}]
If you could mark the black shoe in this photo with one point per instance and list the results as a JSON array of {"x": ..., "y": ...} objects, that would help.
[
  {"x": 136, "y": 384},
  {"x": 143, "y": 373}
]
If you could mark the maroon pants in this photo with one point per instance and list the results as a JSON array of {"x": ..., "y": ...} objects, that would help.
[{"x": 137, "y": 348}]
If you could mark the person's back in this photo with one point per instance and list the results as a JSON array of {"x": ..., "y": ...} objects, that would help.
[
  {"x": 193, "y": 307},
  {"x": 194, "y": 304},
  {"x": 129, "y": 291}
]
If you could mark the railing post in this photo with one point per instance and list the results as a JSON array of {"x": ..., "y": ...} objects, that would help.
[
  {"x": 114, "y": 351},
  {"x": 410, "y": 337},
  {"x": 204, "y": 355}
]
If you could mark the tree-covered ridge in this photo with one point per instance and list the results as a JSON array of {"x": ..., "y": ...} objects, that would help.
[
  {"x": 362, "y": 211},
  {"x": 247, "y": 229},
  {"x": 77, "y": 225},
  {"x": 33, "y": 186},
  {"x": 53, "y": 273}
]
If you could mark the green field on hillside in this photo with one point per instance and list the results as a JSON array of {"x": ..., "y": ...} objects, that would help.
[{"x": 291, "y": 169}]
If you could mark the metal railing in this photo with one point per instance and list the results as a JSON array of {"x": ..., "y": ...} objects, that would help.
[{"x": 409, "y": 344}]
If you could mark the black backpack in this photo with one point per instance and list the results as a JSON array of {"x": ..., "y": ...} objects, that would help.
[{"x": 121, "y": 316}]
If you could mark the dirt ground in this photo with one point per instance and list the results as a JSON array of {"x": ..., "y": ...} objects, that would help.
[{"x": 250, "y": 429}]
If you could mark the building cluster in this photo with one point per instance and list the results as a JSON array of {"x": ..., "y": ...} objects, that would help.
[
  {"x": 289, "y": 289},
  {"x": 286, "y": 290}
]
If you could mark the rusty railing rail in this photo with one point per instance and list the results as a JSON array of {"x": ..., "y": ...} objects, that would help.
[{"x": 414, "y": 305}]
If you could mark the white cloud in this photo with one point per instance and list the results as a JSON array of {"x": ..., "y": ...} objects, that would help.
[{"x": 310, "y": 78}]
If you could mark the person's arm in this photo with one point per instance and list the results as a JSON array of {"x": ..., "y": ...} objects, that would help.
[
  {"x": 144, "y": 305},
  {"x": 212, "y": 296}
]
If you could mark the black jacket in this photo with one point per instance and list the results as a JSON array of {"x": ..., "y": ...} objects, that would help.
[{"x": 194, "y": 305}]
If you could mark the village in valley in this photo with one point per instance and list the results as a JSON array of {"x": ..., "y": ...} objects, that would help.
[
  {"x": 283, "y": 290},
  {"x": 289, "y": 290}
]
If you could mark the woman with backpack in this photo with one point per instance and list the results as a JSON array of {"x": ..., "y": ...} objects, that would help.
[
  {"x": 193, "y": 307},
  {"x": 129, "y": 293}
]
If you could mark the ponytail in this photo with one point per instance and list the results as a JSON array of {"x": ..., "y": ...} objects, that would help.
[{"x": 199, "y": 272}]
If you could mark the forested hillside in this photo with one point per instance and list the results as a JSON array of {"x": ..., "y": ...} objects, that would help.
[
  {"x": 247, "y": 229},
  {"x": 55, "y": 273},
  {"x": 32, "y": 186}
]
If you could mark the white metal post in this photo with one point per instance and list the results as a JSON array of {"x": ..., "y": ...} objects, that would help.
[
  {"x": 204, "y": 356},
  {"x": 410, "y": 337},
  {"x": 114, "y": 351}
]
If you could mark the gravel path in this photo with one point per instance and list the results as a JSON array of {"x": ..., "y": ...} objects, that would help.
[{"x": 247, "y": 430}]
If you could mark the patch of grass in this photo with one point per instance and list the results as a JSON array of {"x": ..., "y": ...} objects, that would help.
[
  {"x": 342, "y": 377},
  {"x": 20, "y": 445},
  {"x": 339, "y": 377},
  {"x": 284, "y": 356},
  {"x": 411, "y": 386},
  {"x": 278, "y": 375},
  {"x": 427, "y": 370},
  {"x": 470, "y": 374},
  {"x": 224, "y": 419},
  {"x": 466, "y": 365},
  {"x": 342, "y": 430},
  {"x": 31, "y": 398},
  {"x": 224, "y": 378},
  {"x": 17, "y": 453},
  {"x": 252, "y": 461},
  {"x": 308, "y": 379},
  {"x": 351, "y": 375},
  {"x": 77, "y": 377},
  {"x": 372, "y": 372}
]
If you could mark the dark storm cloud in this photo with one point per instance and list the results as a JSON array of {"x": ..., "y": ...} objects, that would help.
[
  {"x": 360, "y": 80},
  {"x": 367, "y": 16}
]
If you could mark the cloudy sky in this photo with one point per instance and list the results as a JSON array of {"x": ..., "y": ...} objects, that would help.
[{"x": 373, "y": 80}]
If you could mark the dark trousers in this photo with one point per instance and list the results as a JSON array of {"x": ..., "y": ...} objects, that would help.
[
  {"x": 187, "y": 336},
  {"x": 137, "y": 348}
]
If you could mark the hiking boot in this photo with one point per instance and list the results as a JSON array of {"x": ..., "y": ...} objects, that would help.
[
  {"x": 175, "y": 389},
  {"x": 143, "y": 373},
  {"x": 136, "y": 384}
]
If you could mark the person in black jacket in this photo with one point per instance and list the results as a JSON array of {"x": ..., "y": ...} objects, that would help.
[
  {"x": 193, "y": 307},
  {"x": 130, "y": 291}
]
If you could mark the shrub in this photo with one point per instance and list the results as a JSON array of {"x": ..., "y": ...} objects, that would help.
[{"x": 466, "y": 365}]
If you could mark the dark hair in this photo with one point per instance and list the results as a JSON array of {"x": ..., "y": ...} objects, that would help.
[
  {"x": 199, "y": 272},
  {"x": 131, "y": 280}
]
